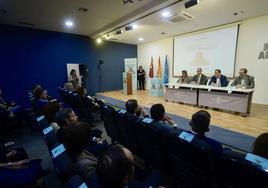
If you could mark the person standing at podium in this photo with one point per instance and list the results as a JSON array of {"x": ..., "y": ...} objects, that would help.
[
  {"x": 218, "y": 80},
  {"x": 141, "y": 77},
  {"x": 199, "y": 78},
  {"x": 244, "y": 80}
]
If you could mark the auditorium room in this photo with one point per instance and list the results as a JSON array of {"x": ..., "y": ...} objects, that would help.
[{"x": 133, "y": 94}]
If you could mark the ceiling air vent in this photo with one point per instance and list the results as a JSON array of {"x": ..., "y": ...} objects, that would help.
[
  {"x": 175, "y": 18},
  {"x": 26, "y": 24}
]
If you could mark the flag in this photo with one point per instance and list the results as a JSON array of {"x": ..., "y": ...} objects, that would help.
[
  {"x": 159, "y": 74},
  {"x": 151, "y": 71},
  {"x": 166, "y": 71}
]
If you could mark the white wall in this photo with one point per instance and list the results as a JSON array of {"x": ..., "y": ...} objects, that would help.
[{"x": 252, "y": 36}]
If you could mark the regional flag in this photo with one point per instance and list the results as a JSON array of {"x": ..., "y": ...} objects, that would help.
[
  {"x": 159, "y": 71},
  {"x": 151, "y": 71},
  {"x": 166, "y": 71}
]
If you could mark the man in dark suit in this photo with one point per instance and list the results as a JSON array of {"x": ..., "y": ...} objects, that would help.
[
  {"x": 199, "y": 78},
  {"x": 133, "y": 107},
  {"x": 200, "y": 125},
  {"x": 218, "y": 79}
]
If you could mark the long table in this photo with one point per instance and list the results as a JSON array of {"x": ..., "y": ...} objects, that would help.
[{"x": 226, "y": 98}]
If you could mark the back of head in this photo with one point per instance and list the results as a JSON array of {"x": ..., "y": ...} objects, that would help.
[
  {"x": 80, "y": 91},
  {"x": 200, "y": 122},
  {"x": 75, "y": 138},
  {"x": 260, "y": 145},
  {"x": 37, "y": 93},
  {"x": 62, "y": 115},
  {"x": 69, "y": 86},
  {"x": 157, "y": 112},
  {"x": 115, "y": 167},
  {"x": 131, "y": 106},
  {"x": 50, "y": 110},
  {"x": 35, "y": 86}
]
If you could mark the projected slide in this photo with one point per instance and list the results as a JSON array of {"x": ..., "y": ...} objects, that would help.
[{"x": 210, "y": 50}]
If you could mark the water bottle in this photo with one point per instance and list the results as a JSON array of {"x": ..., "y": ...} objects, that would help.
[{"x": 243, "y": 85}]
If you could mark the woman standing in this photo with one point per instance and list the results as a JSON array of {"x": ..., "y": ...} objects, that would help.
[
  {"x": 73, "y": 78},
  {"x": 184, "y": 79},
  {"x": 141, "y": 78}
]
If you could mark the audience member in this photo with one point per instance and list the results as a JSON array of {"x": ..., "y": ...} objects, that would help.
[
  {"x": 260, "y": 145},
  {"x": 116, "y": 169},
  {"x": 69, "y": 86},
  {"x": 49, "y": 111},
  {"x": 66, "y": 117},
  {"x": 41, "y": 99},
  {"x": 200, "y": 125},
  {"x": 132, "y": 107},
  {"x": 158, "y": 114},
  {"x": 75, "y": 139}
]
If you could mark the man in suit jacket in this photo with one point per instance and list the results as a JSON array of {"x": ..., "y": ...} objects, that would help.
[
  {"x": 218, "y": 79},
  {"x": 200, "y": 125},
  {"x": 244, "y": 80},
  {"x": 199, "y": 78}
]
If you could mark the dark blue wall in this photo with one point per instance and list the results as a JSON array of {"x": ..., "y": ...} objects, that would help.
[{"x": 29, "y": 56}]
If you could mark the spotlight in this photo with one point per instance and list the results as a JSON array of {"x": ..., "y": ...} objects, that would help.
[
  {"x": 191, "y": 3},
  {"x": 141, "y": 39},
  {"x": 118, "y": 32},
  {"x": 165, "y": 14},
  {"x": 69, "y": 23},
  {"x": 135, "y": 26},
  {"x": 99, "y": 40}
]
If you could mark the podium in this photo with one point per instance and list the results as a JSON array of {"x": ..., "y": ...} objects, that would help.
[{"x": 127, "y": 83}]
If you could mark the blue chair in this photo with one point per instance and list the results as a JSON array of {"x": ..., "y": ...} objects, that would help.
[
  {"x": 190, "y": 161},
  {"x": 75, "y": 182}
]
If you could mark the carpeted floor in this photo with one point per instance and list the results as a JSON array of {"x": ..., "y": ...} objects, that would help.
[{"x": 229, "y": 138}]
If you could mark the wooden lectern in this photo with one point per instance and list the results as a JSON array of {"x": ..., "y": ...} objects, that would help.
[{"x": 129, "y": 83}]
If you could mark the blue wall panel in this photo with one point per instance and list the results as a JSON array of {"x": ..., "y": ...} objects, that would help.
[{"x": 29, "y": 56}]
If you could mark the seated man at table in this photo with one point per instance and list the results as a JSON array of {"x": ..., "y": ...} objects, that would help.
[
  {"x": 199, "y": 78},
  {"x": 218, "y": 80},
  {"x": 200, "y": 125},
  {"x": 244, "y": 80}
]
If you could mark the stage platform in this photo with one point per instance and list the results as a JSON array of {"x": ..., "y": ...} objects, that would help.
[{"x": 253, "y": 125}]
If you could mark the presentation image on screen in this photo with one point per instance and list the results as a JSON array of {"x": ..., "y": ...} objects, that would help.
[{"x": 209, "y": 50}]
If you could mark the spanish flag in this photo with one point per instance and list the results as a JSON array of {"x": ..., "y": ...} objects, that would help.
[
  {"x": 151, "y": 71},
  {"x": 159, "y": 72}
]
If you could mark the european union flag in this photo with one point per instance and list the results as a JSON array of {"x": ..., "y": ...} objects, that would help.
[{"x": 166, "y": 71}]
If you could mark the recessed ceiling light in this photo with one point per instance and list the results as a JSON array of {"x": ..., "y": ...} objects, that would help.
[
  {"x": 99, "y": 40},
  {"x": 69, "y": 23},
  {"x": 134, "y": 26},
  {"x": 165, "y": 14},
  {"x": 141, "y": 39}
]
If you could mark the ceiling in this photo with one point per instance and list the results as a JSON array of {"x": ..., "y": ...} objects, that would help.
[
  {"x": 51, "y": 14},
  {"x": 105, "y": 16}
]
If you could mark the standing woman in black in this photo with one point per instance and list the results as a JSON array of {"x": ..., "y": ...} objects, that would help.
[{"x": 141, "y": 78}]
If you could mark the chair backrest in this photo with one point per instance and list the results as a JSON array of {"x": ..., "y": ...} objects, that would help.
[
  {"x": 110, "y": 123},
  {"x": 62, "y": 163},
  {"x": 152, "y": 143},
  {"x": 50, "y": 137},
  {"x": 235, "y": 171},
  {"x": 75, "y": 182},
  {"x": 190, "y": 160},
  {"x": 127, "y": 125}
]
